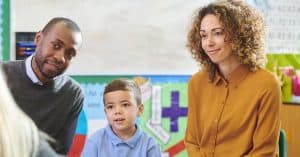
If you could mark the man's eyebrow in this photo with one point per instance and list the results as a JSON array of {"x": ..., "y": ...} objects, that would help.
[{"x": 59, "y": 41}]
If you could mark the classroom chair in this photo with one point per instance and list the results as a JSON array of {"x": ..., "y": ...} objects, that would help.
[{"x": 282, "y": 144}]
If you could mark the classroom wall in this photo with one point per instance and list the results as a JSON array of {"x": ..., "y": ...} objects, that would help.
[
  {"x": 145, "y": 36},
  {"x": 120, "y": 37}
]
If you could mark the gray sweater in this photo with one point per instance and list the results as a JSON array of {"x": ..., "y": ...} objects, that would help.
[
  {"x": 54, "y": 107},
  {"x": 44, "y": 149}
]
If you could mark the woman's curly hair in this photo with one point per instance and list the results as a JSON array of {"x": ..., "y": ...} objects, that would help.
[{"x": 244, "y": 28}]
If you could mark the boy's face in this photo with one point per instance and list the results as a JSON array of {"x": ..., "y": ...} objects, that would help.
[{"x": 121, "y": 110}]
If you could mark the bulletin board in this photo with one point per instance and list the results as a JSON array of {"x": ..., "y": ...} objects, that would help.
[
  {"x": 287, "y": 69},
  {"x": 165, "y": 108},
  {"x": 282, "y": 18}
]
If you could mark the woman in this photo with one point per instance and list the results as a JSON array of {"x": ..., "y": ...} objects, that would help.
[{"x": 233, "y": 103}]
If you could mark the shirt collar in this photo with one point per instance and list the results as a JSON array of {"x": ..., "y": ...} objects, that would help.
[
  {"x": 218, "y": 79},
  {"x": 238, "y": 74},
  {"x": 234, "y": 78},
  {"x": 29, "y": 71},
  {"x": 131, "y": 142}
]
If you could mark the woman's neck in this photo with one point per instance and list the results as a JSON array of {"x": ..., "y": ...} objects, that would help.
[{"x": 228, "y": 68}]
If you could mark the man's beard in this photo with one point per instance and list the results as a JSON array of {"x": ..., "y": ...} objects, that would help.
[{"x": 40, "y": 64}]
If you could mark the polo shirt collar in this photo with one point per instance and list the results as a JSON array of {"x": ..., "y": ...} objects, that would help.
[{"x": 131, "y": 142}]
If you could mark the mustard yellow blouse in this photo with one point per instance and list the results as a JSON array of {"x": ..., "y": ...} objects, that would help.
[{"x": 234, "y": 117}]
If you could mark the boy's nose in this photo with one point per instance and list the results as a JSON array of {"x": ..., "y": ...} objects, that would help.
[{"x": 118, "y": 110}]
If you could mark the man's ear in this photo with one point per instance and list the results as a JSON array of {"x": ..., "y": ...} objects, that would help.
[{"x": 38, "y": 37}]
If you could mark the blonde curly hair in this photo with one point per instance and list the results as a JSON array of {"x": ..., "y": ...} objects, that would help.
[{"x": 244, "y": 28}]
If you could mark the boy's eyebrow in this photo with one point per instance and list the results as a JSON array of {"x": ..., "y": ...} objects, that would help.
[
  {"x": 114, "y": 103},
  {"x": 107, "y": 103},
  {"x": 124, "y": 101}
]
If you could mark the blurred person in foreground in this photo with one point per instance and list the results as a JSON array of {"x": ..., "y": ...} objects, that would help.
[{"x": 19, "y": 137}]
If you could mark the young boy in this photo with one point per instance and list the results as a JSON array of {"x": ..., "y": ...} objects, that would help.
[{"x": 122, "y": 137}]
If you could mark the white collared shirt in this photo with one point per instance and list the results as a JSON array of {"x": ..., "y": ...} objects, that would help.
[{"x": 29, "y": 71}]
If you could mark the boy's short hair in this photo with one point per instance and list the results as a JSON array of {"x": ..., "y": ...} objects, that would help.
[{"x": 124, "y": 85}]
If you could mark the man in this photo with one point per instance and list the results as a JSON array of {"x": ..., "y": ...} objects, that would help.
[{"x": 52, "y": 100}]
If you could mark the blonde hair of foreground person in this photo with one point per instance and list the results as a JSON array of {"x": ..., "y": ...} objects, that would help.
[{"x": 19, "y": 136}]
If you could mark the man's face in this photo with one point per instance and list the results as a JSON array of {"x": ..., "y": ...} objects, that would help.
[{"x": 55, "y": 50}]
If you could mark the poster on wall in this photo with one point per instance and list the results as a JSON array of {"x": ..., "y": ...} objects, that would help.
[
  {"x": 283, "y": 22},
  {"x": 287, "y": 69},
  {"x": 165, "y": 109}
]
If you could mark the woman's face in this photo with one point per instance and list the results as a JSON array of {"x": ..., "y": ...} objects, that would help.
[{"x": 213, "y": 41}]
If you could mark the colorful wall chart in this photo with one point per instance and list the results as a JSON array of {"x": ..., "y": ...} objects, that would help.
[
  {"x": 165, "y": 108},
  {"x": 287, "y": 68}
]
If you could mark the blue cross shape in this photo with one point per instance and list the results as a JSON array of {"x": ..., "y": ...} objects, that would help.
[{"x": 175, "y": 111}]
